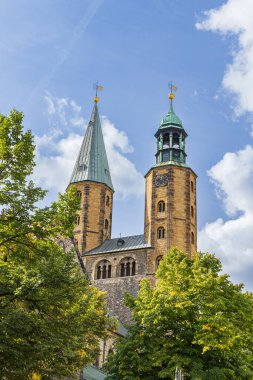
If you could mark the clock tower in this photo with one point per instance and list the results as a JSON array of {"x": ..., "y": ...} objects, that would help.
[{"x": 170, "y": 204}]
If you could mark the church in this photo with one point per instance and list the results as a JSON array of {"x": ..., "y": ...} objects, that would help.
[{"x": 118, "y": 265}]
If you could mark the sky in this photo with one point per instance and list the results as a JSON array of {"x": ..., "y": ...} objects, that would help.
[{"x": 52, "y": 53}]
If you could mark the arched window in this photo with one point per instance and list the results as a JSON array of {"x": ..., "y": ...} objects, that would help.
[
  {"x": 107, "y": 200},
  {"x": 106, "y": 224},
  {"x": 127, "y": 267},
  {"x": 192, "y": 238},
  {"x": 79, "y": 196},
  {"x": 99, "y": 272},
  {"x": 161, "y": 206},
  {"x": 192, "y": 211},
  {"x": 160, "y": 233},
  {"x": 133, "y": 268},
  {"x": 103, "y": 270},
  {"x": 192, "y": 187},
  {"x": 77, "y": 219},
  {"x": 158, "y": 260}
]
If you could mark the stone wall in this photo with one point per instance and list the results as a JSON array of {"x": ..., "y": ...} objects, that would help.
[
  {"x": 116, "y": 286},
  {"x": 96, "y": 200},
  {"x": 179, "y": 221},
  {"x": 115, "y": 289}
]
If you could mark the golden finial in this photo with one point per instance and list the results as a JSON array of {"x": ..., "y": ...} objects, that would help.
[
  {"x": 97, "y": 87},
  {"x": 172, "y": 90}
]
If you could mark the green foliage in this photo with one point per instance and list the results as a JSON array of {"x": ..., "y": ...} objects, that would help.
[
  {"x": 51, "y": 318},
  {"x": 194, "y": 318}
]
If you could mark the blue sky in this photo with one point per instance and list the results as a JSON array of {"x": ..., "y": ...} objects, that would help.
[{"x": 51, "y": 53}]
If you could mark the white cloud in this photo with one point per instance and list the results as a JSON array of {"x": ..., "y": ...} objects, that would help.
[
  {"x": 58, "y": 150},
  {"x": 234, "y": 18},
  {"x": 126, "y": 178},
  {"x": 64, "y": 111},
  {"x": 53, "y": 170},
  {"x": 232, "y": 240}
]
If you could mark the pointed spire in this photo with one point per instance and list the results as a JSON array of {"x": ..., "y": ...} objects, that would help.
[
  {"x": 171, "y": 110},
  {"x": 171, "y": 117},
  {"x": 92, "y": 163}
]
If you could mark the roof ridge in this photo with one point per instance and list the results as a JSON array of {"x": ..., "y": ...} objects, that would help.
[
  {"x": 132, "y": 242},
  {"x": 125, "y": 237}
]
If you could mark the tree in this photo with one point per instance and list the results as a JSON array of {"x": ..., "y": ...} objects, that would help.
[
  {"x": 194, "y": 318},
  {"x": 51, "y": 318}
]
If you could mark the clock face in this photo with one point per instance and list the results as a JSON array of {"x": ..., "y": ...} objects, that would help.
[{"x": 161, "y": 180}]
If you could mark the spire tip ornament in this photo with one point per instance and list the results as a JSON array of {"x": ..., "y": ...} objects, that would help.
[
  {"x": 172, "y": 90},
  {"x": 97, "y": 87}
]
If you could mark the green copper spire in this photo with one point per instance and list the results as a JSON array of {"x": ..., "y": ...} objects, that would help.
[
  {"x": 171, "y": 118},
  {"x": 92, "y": 163}
]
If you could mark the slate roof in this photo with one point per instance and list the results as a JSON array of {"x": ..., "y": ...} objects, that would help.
[
  {"x": 92, "y": 373},
  {"x": 113, "y": 245},
  {"x": 92, "y": 163}
]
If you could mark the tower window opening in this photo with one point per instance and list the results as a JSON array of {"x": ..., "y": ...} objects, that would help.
[
  {"x": 176, "y": 155},
  {"x": 107, "y": 200},
  {"x": 175, "y": 140},
  {"x": 165, "y": 156},
  {"x": 79, "y": 194},
  {"x": 128, "y": 267},
  {"x": 192, "y": 238},
  {"x": 192, "y": 211},
  {"x": 166, "y": 140},
  {"x": 158, "y": 260},
  {"x": 103, "y": 270},
  {"x": 192, "y": 187},
  {"x": 160, "y": 233},
  {"x": 106, "y": 224},
  {"x": 161, "y": 206},
  {"x": 77, "y": 220}
]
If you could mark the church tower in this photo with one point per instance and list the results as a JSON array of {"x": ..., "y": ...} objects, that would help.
[
  {"x": 91, "y": 176},
  {"x": 170, "y": 205}
]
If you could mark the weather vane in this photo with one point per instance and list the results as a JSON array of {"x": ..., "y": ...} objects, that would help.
[
  {"x": 97, "y": 87},
  {"x": 172, "y": 90}
]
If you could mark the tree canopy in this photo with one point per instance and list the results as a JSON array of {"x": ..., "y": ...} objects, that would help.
[
  {"x": 194, "y": 318},
  {"x": 51, "y": 318}
]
